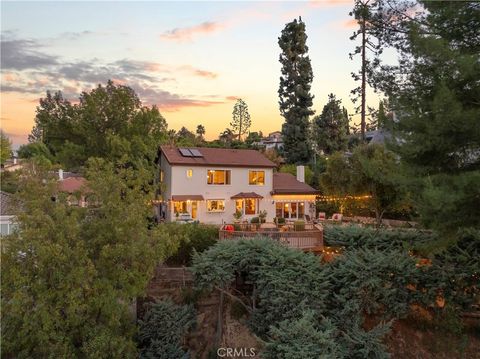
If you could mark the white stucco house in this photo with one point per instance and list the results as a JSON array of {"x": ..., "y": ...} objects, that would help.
[
  {"x": 7, "y": 216},
  {"x": 211, "y": 184}
]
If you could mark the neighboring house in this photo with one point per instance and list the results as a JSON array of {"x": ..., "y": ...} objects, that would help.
[
  {"x": 11, "y": 165},
  {"x": 211, "y": 184},
  {"x": 274, "y": 140},
  {"x": 7, "y": 223},
  {"x": 75, "y": 186}
]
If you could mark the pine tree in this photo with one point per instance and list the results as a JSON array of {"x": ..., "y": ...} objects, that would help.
[
  {"x": 240, "y": 118},
  {"x": 294, "y": 92},
  {"x": 330, "y": 128},
  {"x": 434, "y": 92}
]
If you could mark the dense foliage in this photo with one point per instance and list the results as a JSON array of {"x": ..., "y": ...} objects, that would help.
[
  {"x": 280, "y": 277},
  {"x": 191, "y": 238},
  {"x": 161, "y": 331},
  {"x": 70, "y": 274},
  {"x": 330, "y": 128},
  {"x": 434, "y": 93},
  {"x": 108, "y": 122},
  {"x": 5, "y": 148},
  {"x": 294, "y": 92},
  {"x": 372, "y": 171}
]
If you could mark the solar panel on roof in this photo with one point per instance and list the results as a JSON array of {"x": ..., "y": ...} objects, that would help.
[
  {"x": 195, "y": 152},
  {"x": 185, "y": 152}
]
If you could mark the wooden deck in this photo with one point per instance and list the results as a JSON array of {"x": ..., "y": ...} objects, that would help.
[{"x": 310, "y": 239}]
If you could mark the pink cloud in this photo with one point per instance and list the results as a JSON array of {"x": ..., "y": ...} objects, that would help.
[{"x": 187, "y": 33}]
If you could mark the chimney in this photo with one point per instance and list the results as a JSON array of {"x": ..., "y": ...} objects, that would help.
[
  {"x": 60, "y": 174},
  {"x": 301, "y": 173}
]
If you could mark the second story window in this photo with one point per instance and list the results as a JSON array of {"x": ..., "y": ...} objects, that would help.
[
  {"x": 256, "y": 178},
  {"x": 218, "y": 177}
]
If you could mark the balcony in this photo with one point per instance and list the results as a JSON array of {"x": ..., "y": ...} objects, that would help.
[{"x": 307, "y": 237}]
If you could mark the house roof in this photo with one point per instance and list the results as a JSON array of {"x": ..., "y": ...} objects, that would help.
[
  {"x": 73, "y": 184},
  {"x": 218, "y": 157},
  {"x": 286, "y": 183},
  {"x": 6, "y": 204},
  {"x": 242, "y": 195},
  {"x": 187, "y": 197}
]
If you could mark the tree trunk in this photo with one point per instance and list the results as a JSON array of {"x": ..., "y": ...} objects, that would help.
[{"x": 364, "y": 70}]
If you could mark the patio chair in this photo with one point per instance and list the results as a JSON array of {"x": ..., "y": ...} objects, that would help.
[
  {"x": 307, "y": 218},
  {"x": 337, "y": 217}
]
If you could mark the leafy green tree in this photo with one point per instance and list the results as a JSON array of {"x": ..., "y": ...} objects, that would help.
[
  {"x": 253, "y": 137},
  {"x": 34, "y": 149},
  {"x": 241, "y": 121},
  {"x": 330, "y": 127},
  {"x": 70, "y": 273},
  {"x": 434, "y": 91},
  {"x": 108, "y": 122},
  {"x": 226, "y": 137},
  {"x": 162, "y": 330},
  {"x": 5, "y": 148},
  {"x": 292, "y": 169},
  {"x": 295, "y": 99},
  {"x": 372, "y": 170}
]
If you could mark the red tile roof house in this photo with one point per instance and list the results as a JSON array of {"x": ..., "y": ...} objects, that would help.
[
  {"x": 75, "y": 187},
  {"x": 211, "y": 184}
]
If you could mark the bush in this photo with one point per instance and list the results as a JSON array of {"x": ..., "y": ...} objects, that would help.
[
  {"x": 161, "y": 331},
  {"x": 255, "y": 220},
  {"x": 355, "y": 237},
  {"x": 193, "y": 237},
  {"x": 286, "y": 281},
  {"x": 373, "y": 282},
  {"x": 279, "y": 220}
]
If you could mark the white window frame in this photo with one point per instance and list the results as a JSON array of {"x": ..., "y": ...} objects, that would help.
[
  {"x": 216, "y": 211},
  {"x": 220, "y": 184},
  {"x": 257, "y": 184}
]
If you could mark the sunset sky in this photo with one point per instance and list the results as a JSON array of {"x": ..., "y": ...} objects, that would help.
[{"x": 191, "y": 59}]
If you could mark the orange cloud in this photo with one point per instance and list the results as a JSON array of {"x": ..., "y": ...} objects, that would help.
[
  {"x": 329, "y": 3},
  {"x": 187, "y": 33},
  {"x": 10, "y": 77},
  {"x": 232, "y": 98},
  {"x": 349, "y": 24}
]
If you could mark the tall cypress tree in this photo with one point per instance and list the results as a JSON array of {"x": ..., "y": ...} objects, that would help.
[{"x": 295, "y": 99}]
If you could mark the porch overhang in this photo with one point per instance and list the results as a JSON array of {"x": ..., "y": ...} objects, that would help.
[
  {"x": 247, "y": 195},
  {"x": 286, "y": 197},
  {"x": 187, "y": 197}
]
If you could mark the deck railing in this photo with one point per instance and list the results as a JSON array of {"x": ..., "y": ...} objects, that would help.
[{"x": 310, "y": 237}]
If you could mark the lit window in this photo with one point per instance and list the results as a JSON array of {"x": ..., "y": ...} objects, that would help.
[
  {"x": 180, "y": 207},
  {"x": 189, "y": 173},
  {"x": 239, "y": 206},
  {"x": 251, "y": 206},
  {"x": 256, "y": 178},
  {"x": 162, "y": 175},
  {"x": 218, "y": 177},
  {"x": 215, "y": 205}
]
